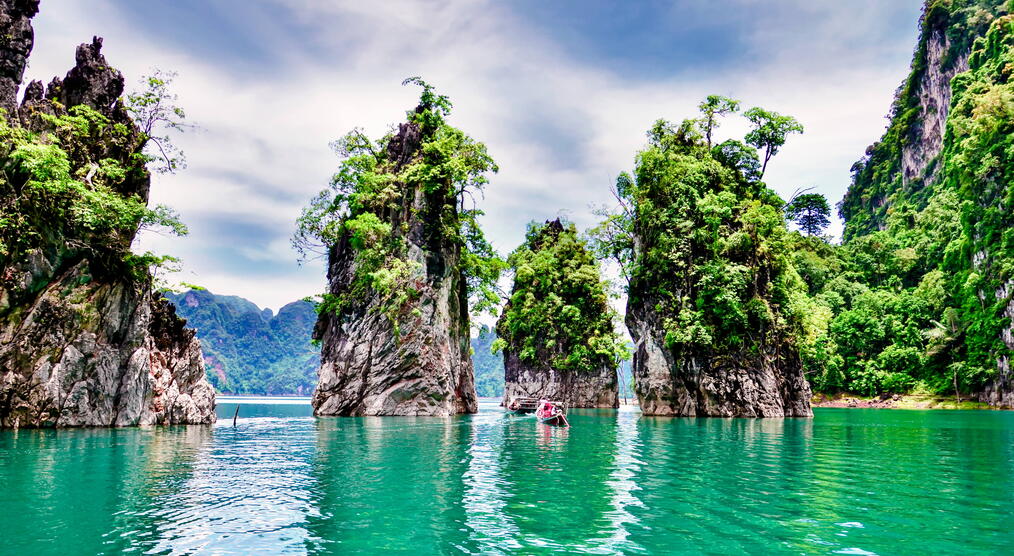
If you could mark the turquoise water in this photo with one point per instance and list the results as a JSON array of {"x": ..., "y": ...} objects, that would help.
[{"x": 849, "y": 481}]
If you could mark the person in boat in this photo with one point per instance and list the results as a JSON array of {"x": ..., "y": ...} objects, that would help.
[{"x": 551, "y": 413}]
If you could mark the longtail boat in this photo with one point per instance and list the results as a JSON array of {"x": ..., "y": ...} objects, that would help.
[
  {"x": 551, "y": 413},
  {"x": 523, "y": 405}
]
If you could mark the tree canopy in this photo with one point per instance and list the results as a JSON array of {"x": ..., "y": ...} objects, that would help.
[
  {"x": 810, "y": 211},
  {"x": 712, "y": 255},
  {"x": 769, "y": 133},
  {"x": 558, "y": 314}
]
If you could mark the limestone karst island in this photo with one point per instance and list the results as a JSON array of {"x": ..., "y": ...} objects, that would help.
[{"x": 476, "y": 277}]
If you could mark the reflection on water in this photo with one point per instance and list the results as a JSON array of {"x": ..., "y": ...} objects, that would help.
[{"x": 281, "y": 481}]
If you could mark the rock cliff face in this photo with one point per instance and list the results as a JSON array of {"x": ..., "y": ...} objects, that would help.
[
  {"x": 590, "y": 388},
  {"x": 768, "y": 384},
  {"x": 82, "y": 341},
  {"x": 934, "y": 94},
  {"x": 903, "y": 165},
  {"x": 1000, "y": 392},
  {"x": 419, "y": 365}
]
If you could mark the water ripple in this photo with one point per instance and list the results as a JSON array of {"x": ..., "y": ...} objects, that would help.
[{"x": 282, "y": 482}]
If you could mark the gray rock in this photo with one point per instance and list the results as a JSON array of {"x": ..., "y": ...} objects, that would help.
[
  {"x": 422, "y": 368},
  {"x": 16, "y": 43},
  {"x": 99, "y": 354},
  {"x": 934, "y": 103},
  {"x": 589, "y": 388},
  {"x": 768, "y": 384}
]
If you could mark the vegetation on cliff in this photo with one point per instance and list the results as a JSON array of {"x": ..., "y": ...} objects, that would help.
[
  {"x": 51, "y": 187},
  {"x": 366, "y": 207},
  {"x": 713, "y": 257},
  {"x": 919, "y": 289},
  {"x": 879, "y": 180},
  {"x": 558, "y": 314},
  {"x": 74, "y": 181}
]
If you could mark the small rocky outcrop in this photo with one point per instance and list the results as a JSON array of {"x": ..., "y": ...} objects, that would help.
[
  {"x": 84, "y": 339},
  {"x": 557, "y": 329},
  {"x": 412, "y": 359}
]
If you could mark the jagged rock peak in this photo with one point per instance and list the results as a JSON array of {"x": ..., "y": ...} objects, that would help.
[
  {"x": 92, "y": 81},
  {"x": 16, "y": 43}
]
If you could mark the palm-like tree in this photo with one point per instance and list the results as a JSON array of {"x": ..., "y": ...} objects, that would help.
[{"x": 944, "y": 338}]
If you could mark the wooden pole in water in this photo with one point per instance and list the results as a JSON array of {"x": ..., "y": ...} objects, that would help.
[{"x": 235, "y": 415}]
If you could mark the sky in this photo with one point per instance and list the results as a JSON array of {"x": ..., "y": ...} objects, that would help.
[{"x": 561, "y": 92}]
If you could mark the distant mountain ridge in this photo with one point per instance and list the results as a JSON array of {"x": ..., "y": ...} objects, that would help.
[{"x": 249, "y": 350}]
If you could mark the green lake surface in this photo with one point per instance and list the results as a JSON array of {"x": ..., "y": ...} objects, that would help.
[{"x": 849, "y": 481}]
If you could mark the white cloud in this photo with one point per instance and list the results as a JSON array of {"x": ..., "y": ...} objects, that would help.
[{"x": 561, "y": 127}]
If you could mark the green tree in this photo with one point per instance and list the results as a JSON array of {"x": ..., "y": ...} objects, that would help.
[
  {"x": 612, "y": 239},
  {"x": 713, "y": 108},
  {"x": 770, "y": 130},
  {"x": 155, "y": 110},
  {"x": 810, "y": 211}
]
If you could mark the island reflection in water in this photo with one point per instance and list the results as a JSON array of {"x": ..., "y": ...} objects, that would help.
[{"x": 281, "y": 481}]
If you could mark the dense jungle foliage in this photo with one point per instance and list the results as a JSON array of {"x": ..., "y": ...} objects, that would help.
[
  {"x": 368, "y": 204},
  {"x": 558, "y": 314},
  {"x": 920, "y": 286},
  {"x": 714, "y": 256}
]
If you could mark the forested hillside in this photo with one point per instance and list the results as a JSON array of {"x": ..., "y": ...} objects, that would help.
[
  {"x": 248, "y": 350},
  {"x": 920, "y": 290},
  {"x": 489, "y": 371}
]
